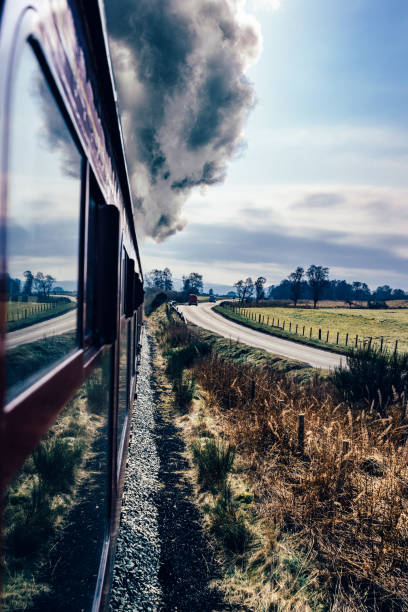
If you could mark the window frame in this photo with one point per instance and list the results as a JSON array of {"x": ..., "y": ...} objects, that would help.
[{"x": 21, "y": 418}]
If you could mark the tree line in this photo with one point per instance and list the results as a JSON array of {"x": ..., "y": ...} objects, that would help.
[
  {"x": 163, "y": 280},
  {"x": 314, "y": 284},
  {"x": 39, "y": 284}
]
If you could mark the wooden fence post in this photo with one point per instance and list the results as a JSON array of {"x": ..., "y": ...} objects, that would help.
[
  {"x": 327, "y": 337},
  {"x": 346, "y": 339},
  {"x": 273, "y": 322},
  {"x": 290, "y": 326},
  {"x": 296, "y": 329},
  {"x": 356, "y": 340},
  {"x": 303, "y": 332},
  {"x": 283, "y": 326},
  {"x": 381, "y": 343},
  {"x": 301, "y": 434},
  {"x": 310, "y": 334},
  {"x": 267, "y": 321},
  {"x": 396, "y": 347},
  {"x": 337, "y": 339},
  {"x": 369, "y": 343},
  {"x": 320, "y": 334}
]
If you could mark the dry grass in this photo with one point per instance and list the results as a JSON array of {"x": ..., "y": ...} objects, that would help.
[
  {"x": 329, "y": 528},
  {"x": 352, "y": 508}
]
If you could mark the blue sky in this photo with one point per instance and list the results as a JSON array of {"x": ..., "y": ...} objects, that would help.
[{"x": 324, "y": 176}]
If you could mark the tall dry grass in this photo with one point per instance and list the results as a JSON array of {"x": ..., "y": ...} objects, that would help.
[{"x": 344, "y": 492}]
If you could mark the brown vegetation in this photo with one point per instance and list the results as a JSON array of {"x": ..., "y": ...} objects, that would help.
[{"x": 339, "y": 492}]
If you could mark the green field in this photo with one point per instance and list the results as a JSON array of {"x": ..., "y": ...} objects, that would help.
[
  {"x": 23, "y": 314},
  {"x": 391, "y": 324}
]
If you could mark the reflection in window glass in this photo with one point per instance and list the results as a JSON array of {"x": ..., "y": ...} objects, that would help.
[
  {"x": 91, "y": 269},
  {"x": 44, "y": 182},
  {"x": 124, "y": 363},
  {"x": 56, "y": 509}
]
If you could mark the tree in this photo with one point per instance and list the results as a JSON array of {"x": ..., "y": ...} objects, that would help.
[
  {"x": 248, "y": 288},
  {"x": 383, "y": 293},
  {"x": 28, "y": 284},
  {"x": 295, "y": 279},
  {"x": 48, "y": 284},
  {"x": 318, "y": 279},
  {"x": 167, "y": 279},
  {"x": 239, "y": 288},
  {"x": 193, "y": 283},
  {"x": 259, "y": 288}
]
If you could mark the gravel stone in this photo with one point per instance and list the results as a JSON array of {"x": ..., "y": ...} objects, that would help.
[{"x": 135, "y": 585}]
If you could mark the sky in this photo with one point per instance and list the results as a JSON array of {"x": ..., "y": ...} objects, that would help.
[{"x": 322, "y": 178}]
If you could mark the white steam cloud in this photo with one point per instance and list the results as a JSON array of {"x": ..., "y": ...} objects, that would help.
[{"x": 183, "y": 95}]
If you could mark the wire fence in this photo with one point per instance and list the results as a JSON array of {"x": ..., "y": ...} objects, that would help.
[
  {"x": 330, "y": 337},
  {"x": 28, "y": 312}
]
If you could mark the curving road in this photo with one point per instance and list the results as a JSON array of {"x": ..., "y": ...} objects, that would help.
[
  {"x": 203, "y": 316},
  {"x": 51, "y": 327}
]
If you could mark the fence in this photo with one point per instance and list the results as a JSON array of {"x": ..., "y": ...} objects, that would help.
[
  {"x": 27, "y": 312},
  {"x": 317, "y": 333}
]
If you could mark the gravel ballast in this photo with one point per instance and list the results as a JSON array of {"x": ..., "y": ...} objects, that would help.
[
  {"x": 135, "y": 583},
  {"x": 164, "y": 559}
]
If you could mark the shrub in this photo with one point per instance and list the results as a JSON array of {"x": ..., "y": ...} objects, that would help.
[
  {"x": 31, "y": 523},
  {"x": 57, "y": 461},
  {"x": 184, "y": 389},
  {"x": 373, "y": 377},
  {"x": 184, "y": 357},
  {"x": 96, "y": 393},
  {"x": 214, "y": 460},
  {"x": 227, "y": 524},
  {"x": 153, "y": 301}
]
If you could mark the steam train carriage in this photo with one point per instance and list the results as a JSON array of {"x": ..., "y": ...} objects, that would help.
[{"x": 71, "y": 294}]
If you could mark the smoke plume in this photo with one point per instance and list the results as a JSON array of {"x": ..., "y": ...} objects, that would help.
[{"x": 183, "y": 96}]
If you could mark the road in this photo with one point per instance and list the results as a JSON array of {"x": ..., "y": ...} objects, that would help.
[
  {"x": 203, "y": 316},
  {"x": 51, "y": 327}
]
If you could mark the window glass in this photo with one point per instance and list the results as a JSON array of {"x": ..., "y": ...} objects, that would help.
[
  {"x": 56, "y": 509},
  {"x": 44, "y": 189},
  {"x": 124, "y": 363},
  {"x": 91, "y": 268}
]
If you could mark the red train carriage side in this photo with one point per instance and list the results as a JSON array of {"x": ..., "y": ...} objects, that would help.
[{"x": 71, "y": 288}]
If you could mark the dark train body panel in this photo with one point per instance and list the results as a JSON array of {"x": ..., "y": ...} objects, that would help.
[{"x": 71, "y": 305}]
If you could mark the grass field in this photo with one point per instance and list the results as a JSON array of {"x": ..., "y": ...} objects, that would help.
[
  {"x": 391, "y": 324},
  {"x": 23, "y": 314}
]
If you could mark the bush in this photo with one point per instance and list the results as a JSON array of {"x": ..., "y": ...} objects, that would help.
[
  {"x": 184, "y": 389},
  {"x": 32, "y": 522},
  {"x": 153, "y": 300},
  {"x": 57, "y": 461},
  {"x": 227, "y": 524},
  {"x": 373, "y": 377},
  {"x": 184, "y": 357},
  {"x": 96, "y": 393},
  {"x": 214, "y": 460}
]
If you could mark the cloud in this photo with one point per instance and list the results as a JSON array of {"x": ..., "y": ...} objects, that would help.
[
  {"x": 271, "y": 5},
  {"x": 206, "y": 243},
  {"x": 183, "y": 96},
  {"x": 320, "y": 200}
]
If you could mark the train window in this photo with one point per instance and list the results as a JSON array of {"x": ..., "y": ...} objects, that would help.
[
  {"x": 91, "y": 280},
  {"x": 124, "y": 362},
  {"x": 56, "y": 509},
  {"x": 44, "y": 187}
]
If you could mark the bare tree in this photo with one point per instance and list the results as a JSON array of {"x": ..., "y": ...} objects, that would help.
[
  {"x": 295, "y": 279},
  {"x": 318, "y": 279},
  {"x": 259, "y": 288},
  {"x": 248, "y": 288}
]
